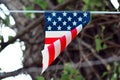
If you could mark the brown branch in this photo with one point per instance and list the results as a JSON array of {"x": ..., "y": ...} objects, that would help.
[
  {"x": 87, "y": 61},
  {"x": 58, "y": 67},
  {"x": 50, "y": 5},
  {"x": 19, "y": 71},
  {"x": 115, "y": 20},
  {"x": 93, "y": 51},
  {"x": 33, "y": 25},
  {"x": 8, "y": 74}
]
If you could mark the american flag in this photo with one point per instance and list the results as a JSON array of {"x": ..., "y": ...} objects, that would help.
[{"x": 61, "y": 28}]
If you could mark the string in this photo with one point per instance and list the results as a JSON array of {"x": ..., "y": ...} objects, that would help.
[{"x": 43, "y": 11}]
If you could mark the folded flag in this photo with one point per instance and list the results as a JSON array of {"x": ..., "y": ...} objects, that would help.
[{"x": 61, "y": 28}]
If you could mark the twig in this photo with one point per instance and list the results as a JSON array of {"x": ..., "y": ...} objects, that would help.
[
  {"x": 33, "y": 25},
  {"x": 50, "y": 5},
  {"x": 93, "y": 51},
  {"x": 58, "y": 67},
  {"x": 87, "y": 61}
]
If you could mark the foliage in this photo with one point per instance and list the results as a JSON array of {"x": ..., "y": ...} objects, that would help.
[
  {"x": 40, "y": 78},
  {"x": 99, "y": 45},
  {"x": 93, "y": 5},
  {"x": 113, "y": 74},
  {"x": 60, "y": 1},
  {"x": 116, "y": 72},
  {"x": 10, "y": 37},
  {"x": 41, "y": 3},
  {"x": 29, "y": 15},
  {"x": 70, "y": 73},
  {"x": 6, "y": 21},
  {"x": 1, "y": 39}
]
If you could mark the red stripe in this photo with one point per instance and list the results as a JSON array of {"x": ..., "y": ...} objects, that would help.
[
  {"x": 63, "y": 43},
  {"x": 74, "y": 33},
  {"x": 51, "y": 51},
  {"x": 50, "y": 40}
]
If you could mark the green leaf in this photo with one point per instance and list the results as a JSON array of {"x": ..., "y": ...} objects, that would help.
[
  {"x": 29, "y": 15},
  {"x": 93, "y": 5},
  {"x": 67, "y": 67},
  {"x": 36, "y": 1},
  {"x": 1, "y": 38},
  {"x": 41, "y": 3},
  {"x": 28, "y": 8},
  {"x": 65, "y": 77},
  {"x": 7, "y": 21},
  {"x": 104, "y": 46},
  {"x": 103, "y": 28},
  {"x": 79, "y": 77},
  {"x": 119, "y": 70},
  {"x": 70, "y": 73},
  {"x": 98, "y": 44},
  {"x": 115, "y": 67},
  {"x": 60, "y": 1},
  {"x": 104, "y": 74},
  {"x": 40, "y": 78},
  {"x": 114, "y": 76},
  {"x": 108, "y": 67},
  {"x": 10, "y": 37}
]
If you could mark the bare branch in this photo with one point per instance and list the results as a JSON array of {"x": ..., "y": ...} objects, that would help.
[
  {"x": 50, "y": 5},
  {"x": 33, "y": 25},
  {"x": 86, "y": 59},
  {"x": 93, "y": 51},
  {"x": 58, "y": 67}
]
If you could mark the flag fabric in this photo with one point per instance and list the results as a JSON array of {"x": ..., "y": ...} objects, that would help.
[{"x": 61, "y": 28}]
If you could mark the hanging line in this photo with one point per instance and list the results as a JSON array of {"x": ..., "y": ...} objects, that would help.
[{"x": 43, "y": 11}]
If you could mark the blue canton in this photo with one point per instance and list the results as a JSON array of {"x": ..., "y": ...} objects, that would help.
[{"x": 65, "y": 21}]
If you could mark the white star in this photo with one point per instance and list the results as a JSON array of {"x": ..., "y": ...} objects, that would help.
[
  {"x": 49, "y": 18},
  {"x": 54, "y": 23},
  {"x": 64, "y": 14},
  {"x": 74, "y": 23},
  {"x": 59, "y": 18},
  {"x": 49, "y": 27},
  {"x": 53, "y": 14},
  {"x": 68, "y": 28},
  {"x": 79, "y": 19},
  {"x": 85, "y": 14},
  {"x": 69, "y": 18},
  {"x": 59, "y": 27},
  {"x": 74, "y": 14},
  {"x": 64, "y": 23}
]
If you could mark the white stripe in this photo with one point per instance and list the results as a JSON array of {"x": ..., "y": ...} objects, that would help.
[
  {"x": 68, "y": 38},
  {"x": 69, "y": 35},
  {"x": 45, "y": 55},
  {"x": 55, "y": 34},
  {"x": 46, "y": 45},
  {"x": 79, "y": 28},
  {"x": 57, "y": 46}
]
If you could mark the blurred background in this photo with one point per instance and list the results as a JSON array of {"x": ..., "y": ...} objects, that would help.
[{"x": 93, "y": 55}]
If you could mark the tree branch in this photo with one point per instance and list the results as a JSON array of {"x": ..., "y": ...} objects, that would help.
[
  {"x": 50, "y": 5},
  {"x": 93, "y": 51},
  {"x": 34, "y": 24},
  {"x": 58, "y": 67}
]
